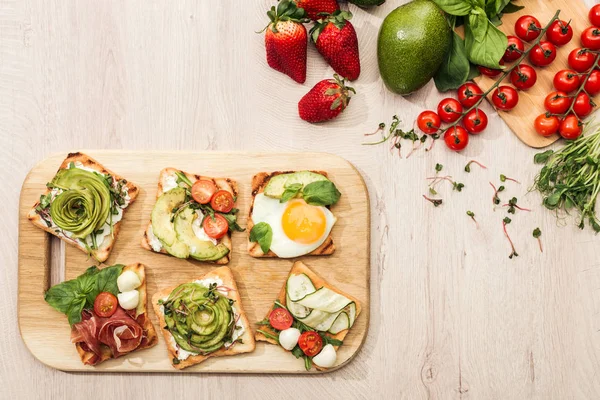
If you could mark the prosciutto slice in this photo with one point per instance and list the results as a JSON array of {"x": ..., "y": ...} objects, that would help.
[{"x": 86, "y": 332}]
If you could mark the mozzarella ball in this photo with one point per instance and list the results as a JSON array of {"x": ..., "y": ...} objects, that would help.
[
  {"x": 129, "y": 300},
  {"x": 289, "y": 338},
  {"x": 128, "y": 280},
  {"x": 326, "y": 358}
]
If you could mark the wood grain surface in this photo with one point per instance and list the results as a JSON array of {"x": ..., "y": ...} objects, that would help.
[
  {"x": 451, "y": 316},
  {"x": 46, "y": 332}
]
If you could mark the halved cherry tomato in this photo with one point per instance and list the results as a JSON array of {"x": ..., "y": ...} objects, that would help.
[
  {"x": 560, "y": 33},
  {"x": 566, "y": 80},
  {"x": 581, "y": 60},
  {"x": 542, "y": 54},
  {"x": 456, "y": 138},
  {"x": 505, "y": 98},
  {"x": 310, "y": 343},
  {"x": 215, "y": 228},
  {"x": 594, "y": 15},
  {"x": 280, "y": 319},
  {"x": 523, "y": 77},
  {"x": 449, "y": 110},
  {"x": 469, "y": 94},
  {"x": 492, "y": 73},
  {"x": 583, "y": 105},
  {"x": 546, "y": 125},
  {"x": 592, "y": 85},
  {"x": 557, "y": 102},
  {"x": 528, "y": 28},
  {"x": 222, "y": 201},
  {"x": 429, "y": 122},
  {"x": 475, "y": 121},
  {"x": 105, "y": 304},
  {"x": 514, "y": 49},
  {"x": 570, "y": 127},
  {"x": 590, "y": 38},
  {"x": 203, "y": 190}
]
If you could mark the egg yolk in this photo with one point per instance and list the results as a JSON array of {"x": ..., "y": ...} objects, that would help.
[{"x": 302, "y": 222}]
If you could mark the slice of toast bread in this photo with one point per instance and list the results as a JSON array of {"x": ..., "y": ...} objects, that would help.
[
  {"x": 246, "y": 346},
  {"x": 104, "y": 248}
]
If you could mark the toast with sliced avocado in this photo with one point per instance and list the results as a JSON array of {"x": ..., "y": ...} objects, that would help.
[
  {"x": 184, "y": 228},
  {"x": 84, "y": 205},
  {"x": 214, "y": 324}
]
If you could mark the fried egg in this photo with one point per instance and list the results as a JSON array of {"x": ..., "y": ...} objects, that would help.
[{"x": 298, "y": 228}]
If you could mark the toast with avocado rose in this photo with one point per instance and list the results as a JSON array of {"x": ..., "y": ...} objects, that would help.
[
  {"x": 193, "y": 217},
  {"x": 106, "y": 309},
  {"x": 84, "y": 205},
  {"x": 203, "y": 318},
  {"x": 310, "y": 318},
  {"x": 290, "y": 214}
]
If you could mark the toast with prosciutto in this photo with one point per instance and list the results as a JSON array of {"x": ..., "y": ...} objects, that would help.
[{"x": 106, "y": 309}]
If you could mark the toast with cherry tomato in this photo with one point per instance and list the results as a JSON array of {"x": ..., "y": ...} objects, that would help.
[
  {"x": 203, "y": 318},
  {"x": 308, "y": 316},
  {"x": 107, "y": 311},
  {"x": 193, "y": 217}
]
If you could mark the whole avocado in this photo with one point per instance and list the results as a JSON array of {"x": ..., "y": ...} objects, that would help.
[
  {"x": 412, "y": 44},
  {"x": 367, "y": 3}
]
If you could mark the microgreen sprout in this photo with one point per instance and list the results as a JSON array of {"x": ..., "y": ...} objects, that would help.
[
  {"x": 504, "y": 178},
  {"x": 438, "y": 167},
  {"x": 435, "y": 180},
  {"x": 380, "y": 128},
  {"x": 496, "y": 199},
  {"x": 512, "y": 206},
  {"x": 472, "y": 215},
  {"x": 435, "y": 202},
  {"x": 468, "y": 166},
  {"x": 505, "y": 222},
  {"x": 536, "y": 234}
]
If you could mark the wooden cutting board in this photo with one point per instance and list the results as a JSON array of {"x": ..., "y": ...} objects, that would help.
[
  {"x": 46, "y": 332},
  {"x": 531, "y": 102}
]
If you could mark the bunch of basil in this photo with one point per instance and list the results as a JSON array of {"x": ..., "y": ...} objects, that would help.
[{"x": 484, "y": 44}]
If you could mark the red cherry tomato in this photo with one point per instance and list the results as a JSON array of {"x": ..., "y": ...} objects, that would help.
[
  {"x": 505, "y": 98},
  {"x": 456, "y": 138},
  {"x": 570, "y": 127},
  {"x": 557, "y": 102},
  {"x": 566, "y": 81},
  {"x": 222, "y": 201},
  {"x": 542, "y": 54},
  {"x": 215, "y": 227},
  {"x": 280, "y": 319},
  {"x": 105, "y": 304},
  {"x": 546, "y": 125},
  {"x": 203, "y": 190},
  {"x": 469, "y": 94},
  {"x": 594, "y": 15},
  {"x": 581, "y": 60},
  {"x": 492, "y": 73},
  {"x": 590, "y": 38},
  {"x": 523, "y": 77},
  {"x": 310, "y": 343},
  {"x": 528, "y": 28},
  {"x": 429, "y": 122},
  {"x": 449, "y": 110},
  {"x": 583, "y": 105},
  {"x": 475, "y": 121},
  {"x": 559, "y": 33},
  {"x": 592, "y": 85},
  {"x": 514, "y": 50}
]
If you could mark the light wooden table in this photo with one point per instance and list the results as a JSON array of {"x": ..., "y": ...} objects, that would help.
[{"x": 451, "y": 315}]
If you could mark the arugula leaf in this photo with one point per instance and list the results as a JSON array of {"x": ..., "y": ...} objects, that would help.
[
  {"x": 263, "y": 235},
  {"x": 321, "y": 193},
  {"x": 455, "y": 69},
  {"x": 297, "y": 352},
  {"x": 455, "y": 7},
  {"x": 489, "y": 50},
  {"x": 331, "y": 341},
  {"x": 232, "y": 221},
  {"x": 290, "y": 192},
  {"x": 182, "y": 178}
]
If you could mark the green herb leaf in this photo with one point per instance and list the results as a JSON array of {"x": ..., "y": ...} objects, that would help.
[
  {"x": 297, "y": 352},
  {"x": 321, "y": 193},
  {"x": 438, "y": 167},
  {"x": 262, "y": 234},
  {"x": 537, "y": 233},
  {"x": 478, "y": 24},
  {"x": 486, "y": 49},
  {"x": 232, "y": 221},
  {"x": 512, "y": 8},
  {"x": 106, "y": 281},
  {"x": 455, "y": 7},
  {"x": 542, "y": 158},
  {"x": 290, "y": 192},
  {"x": 455, "y": 69}
]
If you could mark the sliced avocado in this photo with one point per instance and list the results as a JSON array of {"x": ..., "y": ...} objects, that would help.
[
  {"x": 198, "y": 249},
  {"x": 178, "y": 249},
  {"x": 162, "y": 213},
  {"x": 278, "y": 183}
]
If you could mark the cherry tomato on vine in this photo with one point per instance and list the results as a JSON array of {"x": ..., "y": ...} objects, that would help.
[
  {"x": 505, "y": 98},
  {"x": 581, "y": 60},
  {"x": 557, "y": 102},
  {"x": 559, "y": 33},
  {"x": 583, "y": 105},
  {"x": 592, "y": 86},
  {"x": 492, "y": 73},
  {"x": 449, "y": 110},
  {"x": 514, "y": 49},
  {"x": 475, "y": 121},
  {"x": 456, "y": 138},
  {"x": 469, "y": 94},
  {"x": 546, "y": 125},
  {"x": 523, "y": 77},
  {"x": 570, "y": 128},
  {"x": 528, "y": 28},
  {"x": 542, "y": 54},
  {"x": 594, "y": 15},
  {"x": 429, "y": 122},
  {"x": 590, "y": 38},
  {"x": 566, "y": 80}
]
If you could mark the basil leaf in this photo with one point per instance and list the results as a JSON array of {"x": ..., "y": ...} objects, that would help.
[
  {"x": 321, "y": 193},
  {"x": 74, "y": 313},
  {"x": 62, "y": 296},
  {"x": 478, "y": 24},
  {"x": 290, "y": 192},
  {"x": 106, "y": 281},
  {"x": 490, "y": 50},
  {"x": 473, "y": 72},
  {"x": 455, "y": 7},
  {"x": 262, "y": 234},
  {"x": 455, "y": 69},
  {"x": 511, "y": 8}
]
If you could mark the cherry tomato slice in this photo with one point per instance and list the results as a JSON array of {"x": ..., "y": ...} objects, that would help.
[
  {"x": 475, "y": 121},
  {"x": 590, "y": 38},
  {"x": 429, "y": 122},
  {"x": 215, "y": 228},
  {"x": 222, "y": 201},
  {"x": 456, "y": 138},
  {"x": 570, "y": 127},
  {"x": 560, "y": 33},
  {"x": 514, "y": 49},
  {"x": 280, "y": 319},
  {"x": 310, "y": 343},
  {"x": 566, "y": 80},
  {"x": 523, "y": 77},
  {"x": 528, "y": 28},
  {"x": 449, "y": 110},
  {"x": 594, "y": 15},
  {"x": 542, "y": 54},
  {"x": 203, "y": 190},
  {"x": 469, "y": 94},
  {"x": 581, "y": 60},
  {"x": 546, "y": 125},
  {"x": 505, "y": 98},
  {"x": 105, "y": 304}
]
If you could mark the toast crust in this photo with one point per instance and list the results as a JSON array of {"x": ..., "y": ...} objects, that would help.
[
  {"x": 259, "y": 181},
  {"x": 221, "y": 183},
  {"x": 104, "y": 249},
  {"x": 248, "y": 345},
  {"x": 300, "y": 268}
]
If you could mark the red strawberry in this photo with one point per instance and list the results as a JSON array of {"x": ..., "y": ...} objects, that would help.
[
  {"x": 314, "y": 7},
  {"x": 285, "y": 40},
  {"x": 325, "y": 101},
  {"x": 336, "y": 40}
]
